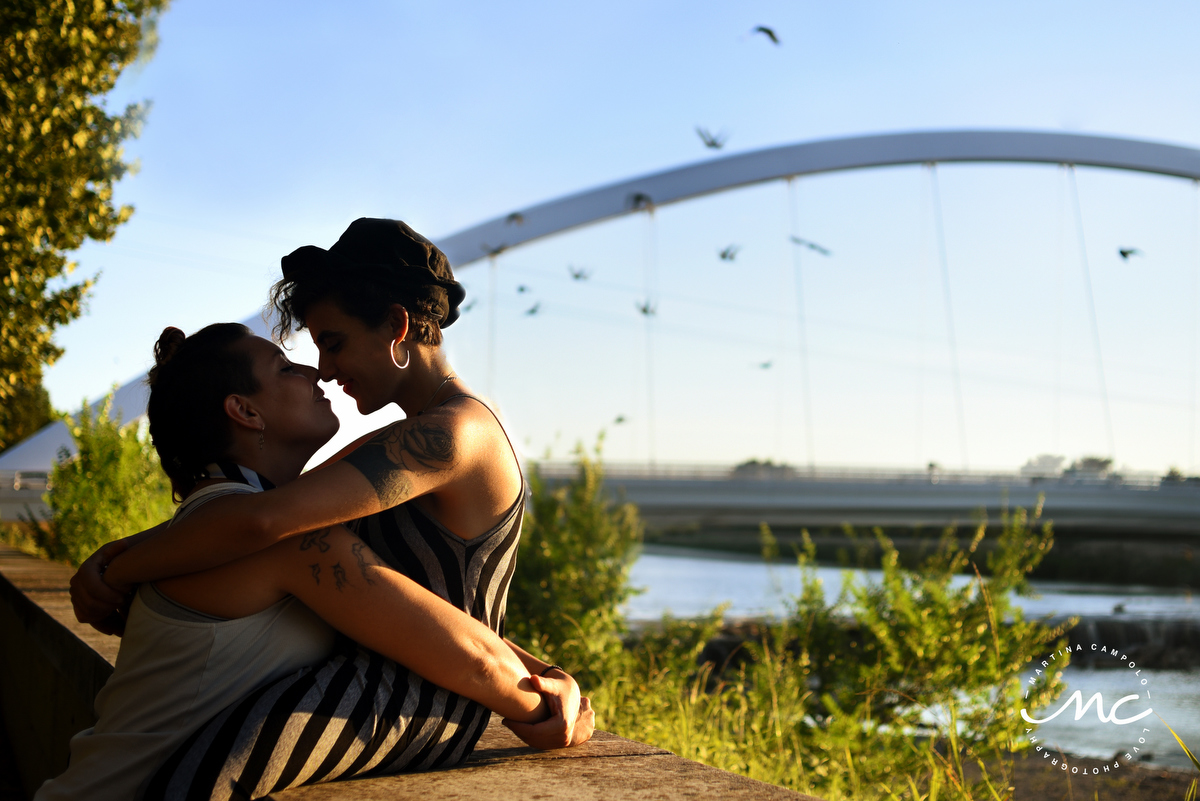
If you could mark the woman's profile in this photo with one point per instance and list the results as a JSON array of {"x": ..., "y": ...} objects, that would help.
[{"x": 437, "y": 496}]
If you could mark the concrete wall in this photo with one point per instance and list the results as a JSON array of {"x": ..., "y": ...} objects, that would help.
[{"x": 51, "y": 668}]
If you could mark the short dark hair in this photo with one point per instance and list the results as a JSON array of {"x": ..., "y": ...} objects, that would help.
[
  {"x": 369, "y": 298},
  {"x": 375, "y": 263},
  {"x": 189, "y": 382}
]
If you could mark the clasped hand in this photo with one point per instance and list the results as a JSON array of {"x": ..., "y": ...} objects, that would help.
[
  {"x": 94, "y": 601},
  {"x": 571, "y": 720}
]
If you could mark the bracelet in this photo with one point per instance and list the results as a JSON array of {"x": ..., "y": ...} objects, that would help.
[{"x": 553, "y": 667}]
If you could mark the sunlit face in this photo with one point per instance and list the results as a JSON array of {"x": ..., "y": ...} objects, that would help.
[
  {"x": 292, "y": 405},
  {"x": 353, "y": 354}
]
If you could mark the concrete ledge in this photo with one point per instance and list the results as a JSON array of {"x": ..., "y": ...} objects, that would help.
[{"x": 51, "y": 668}]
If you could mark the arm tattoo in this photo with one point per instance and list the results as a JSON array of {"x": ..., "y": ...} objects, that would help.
[
  {"x": 316, "y": 538},
  {"x": 316, "y": 573},
  {"x": 407, "y": 447},
  {"x": 339, "y": 576},
  {"x": 358, "y": 549}
]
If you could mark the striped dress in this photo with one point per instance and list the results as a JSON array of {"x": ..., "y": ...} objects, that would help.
[{"x": 357, "y": 714}]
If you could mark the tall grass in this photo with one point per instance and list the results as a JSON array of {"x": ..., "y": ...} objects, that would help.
[{"x": 901, "y": 689}]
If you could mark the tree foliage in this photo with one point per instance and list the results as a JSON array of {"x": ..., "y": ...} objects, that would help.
[
  {"x": 24, "y": 412},
  {"x": 60, "y": 152},
  {"x": 111, "y": 488}
]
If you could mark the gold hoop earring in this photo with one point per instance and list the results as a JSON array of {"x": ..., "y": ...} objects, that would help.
[{"x": 392, "y": 353}]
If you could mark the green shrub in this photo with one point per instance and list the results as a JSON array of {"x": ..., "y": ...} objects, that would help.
[
  {"x": 905, "y": 688},
  {"x": 572, "y": 573},
  {"x": 899, "y": 689},
  {"x": 111, "y": 488}
]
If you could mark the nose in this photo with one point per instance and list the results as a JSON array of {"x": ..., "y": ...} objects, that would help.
[
  {"x": 309, "y": 372},
  {"x": 325, "y": 369}
]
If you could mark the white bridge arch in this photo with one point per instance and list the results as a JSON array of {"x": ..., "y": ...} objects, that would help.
[
  {"x": 807, "y": 158},
  {"x": 708, "y": 177}
]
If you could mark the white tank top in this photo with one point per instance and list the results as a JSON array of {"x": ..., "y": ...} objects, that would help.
[{"x": 173, "y": 675}]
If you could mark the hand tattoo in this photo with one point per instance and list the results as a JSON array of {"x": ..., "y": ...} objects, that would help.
[
  {"x": 316, "y": 538},
  {"x": 339, "y": 576},
  {"x": 316, "y": 573},
  {"x": 406, "y": 447},
  {"x": 358, "y": 549}
]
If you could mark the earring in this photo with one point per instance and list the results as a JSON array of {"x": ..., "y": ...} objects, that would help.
[
  {"x": 392, "y": 353},
  {"x": 262, "y": 440}
]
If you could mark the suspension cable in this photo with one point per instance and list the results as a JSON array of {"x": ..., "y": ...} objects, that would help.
[
  {"x": 491, "y": 343},
  {"x": 802, "y": 328},
  {"x": 1087, "y": 281},
  {"x": 922, "y": 313},
  {"x": 941, "y": 243},
  {"x": 1195, "y": 300},
  {"x": 650, "y": 282},
  {"x": 1059, "y": 273}
]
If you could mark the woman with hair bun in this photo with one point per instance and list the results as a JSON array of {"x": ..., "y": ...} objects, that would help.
[
  {"x": 231, "y": 417},
  {"x": 438, "y": 496}
]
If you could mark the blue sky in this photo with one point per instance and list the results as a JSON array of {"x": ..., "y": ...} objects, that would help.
[{"x": 275, "y": 124}]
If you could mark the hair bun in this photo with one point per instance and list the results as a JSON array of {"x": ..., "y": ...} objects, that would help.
[{"x": 168, "y": 344}]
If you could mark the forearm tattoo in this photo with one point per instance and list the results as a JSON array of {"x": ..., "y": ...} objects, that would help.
[
  {"x": 358, "y": 548},
  {"x": 316, "y": 573},
  {"x": 316, "y": 538},
  {"x": 339, "y": 576},
  {"x": 389, "y": 459}
]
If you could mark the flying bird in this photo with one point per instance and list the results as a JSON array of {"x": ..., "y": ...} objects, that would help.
[
  {"x": 811, "y": 246},
  {"x": 620, "y": 419},
  {"x": 516, "y": 218},
  {"x": 647, "y": 309},
  {"x": 534, "y": 309},
  {"x": 640, "y": 200},
  {"x": 767, "y": 32},
  {"x": 765, "y": 365},
  {"x": 467, "y": 308},
  {"x": 1125, "y": 253},
  {"x": 522, "y": 289},
  {"x": 493, "y": 251},
  {"x": 711, "y": 141},
  {"x": 581, "y": 274},
  {"x": 729, "y": 253}
]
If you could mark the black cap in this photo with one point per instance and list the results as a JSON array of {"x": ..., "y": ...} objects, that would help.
[{"x": 409, "y": 260}]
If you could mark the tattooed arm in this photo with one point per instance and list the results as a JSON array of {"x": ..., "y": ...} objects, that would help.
[
  {"x": 402, "y": 461},
  {"x": 341, "y": 579}
]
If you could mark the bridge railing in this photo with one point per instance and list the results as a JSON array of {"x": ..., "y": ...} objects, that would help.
[{"x": 752, "y": 471}]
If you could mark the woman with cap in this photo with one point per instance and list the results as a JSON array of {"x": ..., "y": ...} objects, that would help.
[{"x": 438, "y": 496}]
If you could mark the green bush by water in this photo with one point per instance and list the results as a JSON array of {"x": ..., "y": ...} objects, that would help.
[
  {"x": 572, "y": 573},
  {"x": 903, "y": 689}
]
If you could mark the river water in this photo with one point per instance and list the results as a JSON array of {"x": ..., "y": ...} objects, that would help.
[{"x": 689, "y": 583}]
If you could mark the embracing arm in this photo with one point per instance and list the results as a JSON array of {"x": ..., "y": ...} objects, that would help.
[
  {"x": 341, "y": 579},
  {"x": 94, "y": 601},
  {"x": 400, "y": 462}
]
